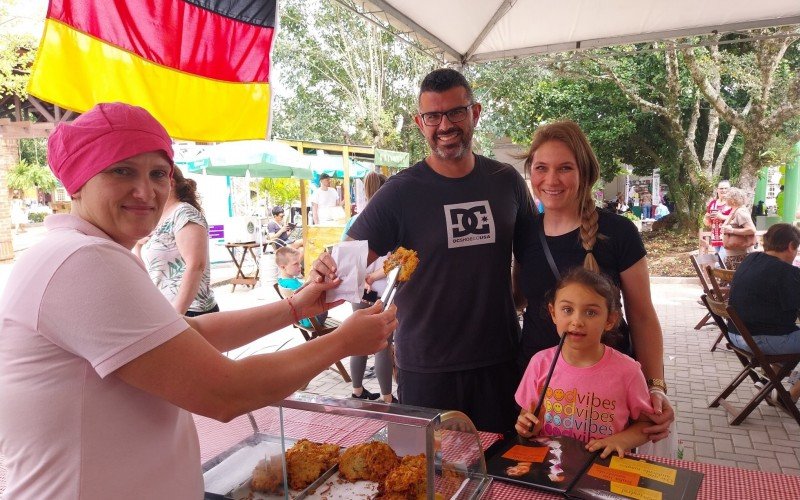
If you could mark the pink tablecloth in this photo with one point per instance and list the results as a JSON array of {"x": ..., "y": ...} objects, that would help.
[{"x": 722, "y": 483}]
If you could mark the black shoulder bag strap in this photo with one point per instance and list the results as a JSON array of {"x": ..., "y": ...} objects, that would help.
[{"x": 547, "y": 252}]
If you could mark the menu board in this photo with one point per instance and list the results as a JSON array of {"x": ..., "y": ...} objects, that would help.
[{"x": 563, "y": 465}]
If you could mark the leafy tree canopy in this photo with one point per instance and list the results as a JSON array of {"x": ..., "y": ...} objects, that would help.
[{"x": 344, "y": 80}]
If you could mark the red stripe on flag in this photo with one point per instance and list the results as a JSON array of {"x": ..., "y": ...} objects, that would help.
[{"x": 174, "y": 34}]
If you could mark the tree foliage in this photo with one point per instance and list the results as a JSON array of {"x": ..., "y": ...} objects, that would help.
[
  {"x": 661, "y": 106},
  {"x": 344, "y": 80},
  {"x": 26, "y": 175},
  {"x": 279, "y": 191},
  {"x": 33, "y": 151},
  {"x": 764, "y": 73},
  {"x": 17, "y": 51}
]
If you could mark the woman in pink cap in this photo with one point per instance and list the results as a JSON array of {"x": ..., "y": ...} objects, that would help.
[{"x": 98, "y": 373}]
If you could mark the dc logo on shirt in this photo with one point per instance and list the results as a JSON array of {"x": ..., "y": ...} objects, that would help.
[{"x": 469, "y": 224}]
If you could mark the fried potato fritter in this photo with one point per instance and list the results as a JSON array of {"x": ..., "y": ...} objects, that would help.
[
  {"x": 371, "y": 461},
  {"x": 306, "y": 461},
  {"x": 402, "y": 257},
  {"x": 268, "y": 476},
  {"x": 407, "y": 481}
]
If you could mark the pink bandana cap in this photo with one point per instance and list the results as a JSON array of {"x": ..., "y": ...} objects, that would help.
[{"x": 106, "y": 134}]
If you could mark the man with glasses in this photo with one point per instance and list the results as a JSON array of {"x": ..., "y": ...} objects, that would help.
[{"x": 461, "y": 212}]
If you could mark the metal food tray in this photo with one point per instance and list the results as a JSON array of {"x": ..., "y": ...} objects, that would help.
[{"x": 228, "y": 475}]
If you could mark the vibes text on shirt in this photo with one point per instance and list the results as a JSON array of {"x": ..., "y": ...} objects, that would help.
[{"x": 578, "y": 415}]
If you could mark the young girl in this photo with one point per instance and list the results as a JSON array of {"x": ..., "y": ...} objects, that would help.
[{"x": 597, "y": 394}]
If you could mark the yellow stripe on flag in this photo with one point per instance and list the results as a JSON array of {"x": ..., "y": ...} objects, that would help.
[{"x": 76, "y": 71}]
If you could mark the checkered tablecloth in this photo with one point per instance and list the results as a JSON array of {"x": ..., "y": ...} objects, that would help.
[{"x": 719, "y": 483}]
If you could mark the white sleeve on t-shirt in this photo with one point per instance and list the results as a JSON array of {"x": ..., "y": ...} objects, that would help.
[{"x": 101, "y": 305}]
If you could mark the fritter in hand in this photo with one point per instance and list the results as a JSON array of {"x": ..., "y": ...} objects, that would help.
[{"x": 402, "y": 257}]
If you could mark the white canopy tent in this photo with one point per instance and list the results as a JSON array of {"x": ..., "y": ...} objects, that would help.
[{"x": 468, "y": 31}]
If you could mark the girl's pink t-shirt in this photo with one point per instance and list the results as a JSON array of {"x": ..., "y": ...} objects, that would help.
[{"x": 586, "y": 403}]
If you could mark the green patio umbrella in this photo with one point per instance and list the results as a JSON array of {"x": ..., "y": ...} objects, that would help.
[
  {"x": 332, "y": 165},
  {"x": 235, "y": 159}
]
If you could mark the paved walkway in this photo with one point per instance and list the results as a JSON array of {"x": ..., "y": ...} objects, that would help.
[{"x": 768, "y": 440}]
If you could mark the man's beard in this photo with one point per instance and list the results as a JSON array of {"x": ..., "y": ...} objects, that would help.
[{"x": 452, "y": 153}]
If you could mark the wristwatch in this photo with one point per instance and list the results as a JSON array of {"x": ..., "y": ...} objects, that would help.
[{"x": 657, "y": 382}]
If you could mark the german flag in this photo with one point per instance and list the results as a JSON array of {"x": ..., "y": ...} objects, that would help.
[{"x": 201, "y": 67}]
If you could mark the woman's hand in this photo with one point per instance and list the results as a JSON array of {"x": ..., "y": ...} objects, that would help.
[
  {"x": 663, "y": 415},
  {"x": 309, "y": 300},
  {"x": 323, "y": 268},
  {"x": 367, "y": 330}
]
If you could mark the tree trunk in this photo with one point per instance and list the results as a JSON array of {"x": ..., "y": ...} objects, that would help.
[{"x": 748, "y": 176}]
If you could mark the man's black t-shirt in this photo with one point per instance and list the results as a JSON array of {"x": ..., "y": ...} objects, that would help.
[{"x": 456, "y": 312}]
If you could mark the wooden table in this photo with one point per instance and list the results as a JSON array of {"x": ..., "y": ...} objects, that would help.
[{"x": 246, "y": 249}]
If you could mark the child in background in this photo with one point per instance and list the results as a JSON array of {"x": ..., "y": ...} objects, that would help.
[
  {"x": 288, "y": 262},
  {"x": 597, "y": 394}
]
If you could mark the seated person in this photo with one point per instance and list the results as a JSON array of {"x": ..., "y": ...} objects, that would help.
[
  {"x": 290, "y": 278},
  {"x": 765, "y": 292},
  {"x": 280, "y": 231},
  {"x": 661, "y": 211}
]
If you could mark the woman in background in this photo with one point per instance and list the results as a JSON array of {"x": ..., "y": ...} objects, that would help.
[
  {"x": 376, "y": 283},
  {"x": 738, "y": 230},
  {"x": 176, "y": 253}
]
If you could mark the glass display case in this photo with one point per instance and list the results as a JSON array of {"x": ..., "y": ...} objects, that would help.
[{"x": 447, "y": 463}]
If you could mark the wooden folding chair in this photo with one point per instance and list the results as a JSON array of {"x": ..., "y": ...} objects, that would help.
[
  {"x": 752, "y": 359},
  {"x": 720, "y": 280},
  {"x": 699, "y": 262},
  {"x": 317, "y": 329}
]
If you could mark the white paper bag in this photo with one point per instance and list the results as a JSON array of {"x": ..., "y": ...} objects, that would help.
[{"x": 351, "y": 265}]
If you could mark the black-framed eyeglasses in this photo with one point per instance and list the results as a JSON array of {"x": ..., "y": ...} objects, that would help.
[{"x": 454, "y": 115}]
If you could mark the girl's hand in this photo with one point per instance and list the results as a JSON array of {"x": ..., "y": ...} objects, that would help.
[
  {"x": 369, "y": 280},
  {"x": 309, "y": 300},
  {"x": 525, "y": 422},
  {"x": 367, "y": 330},
  {"x": 609, "y": 445},
  {"x": 663, "y": 415}
]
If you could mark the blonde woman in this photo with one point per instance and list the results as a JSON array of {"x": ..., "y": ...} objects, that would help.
[
  {"x": 563, "y": 169},
  {"x": 738, "y": 230}
]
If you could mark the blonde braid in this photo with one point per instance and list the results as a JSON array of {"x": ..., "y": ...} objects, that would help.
[{"x": 589, "y": 233}]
